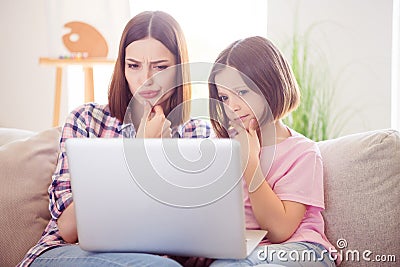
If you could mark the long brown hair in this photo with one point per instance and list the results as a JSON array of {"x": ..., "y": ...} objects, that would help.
[
  {"x": 164, "y": 28},
  {"x": 259, "y": 61}
]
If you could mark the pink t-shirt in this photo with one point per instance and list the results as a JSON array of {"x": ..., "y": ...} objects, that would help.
[{"x": 294, "y": 171}]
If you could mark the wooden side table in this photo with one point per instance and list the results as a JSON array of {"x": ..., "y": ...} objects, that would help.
[{"x": 87, "y": 64}]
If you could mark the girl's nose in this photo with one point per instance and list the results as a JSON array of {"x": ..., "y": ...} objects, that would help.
[
  {"x": 146, "y": 78},
  {"x": 235, "y": 104}
]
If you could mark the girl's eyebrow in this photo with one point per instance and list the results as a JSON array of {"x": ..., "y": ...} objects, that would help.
[
  {"x": 151, "y": 62},
  {"x": 234, "y": 88},
  {"x": 239, "y": 87}
]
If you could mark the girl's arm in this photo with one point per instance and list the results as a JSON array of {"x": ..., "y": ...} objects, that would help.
[
  {"x": 279, "y": 218},
  {"x": 67, "y": 225},
  {"x": 61, "y": 203}
]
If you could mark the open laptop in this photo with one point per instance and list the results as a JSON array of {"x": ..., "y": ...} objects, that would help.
[{"x": 165, "y": 196}]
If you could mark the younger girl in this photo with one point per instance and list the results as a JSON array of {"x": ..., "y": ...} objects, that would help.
[{"x": 282, "y": 169}]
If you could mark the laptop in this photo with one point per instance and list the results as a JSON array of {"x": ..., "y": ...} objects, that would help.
[{"x": 178, "y": 197}]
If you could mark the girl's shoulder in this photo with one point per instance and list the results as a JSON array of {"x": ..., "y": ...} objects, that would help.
[
  {"x": 92, "y": 119},
  {"x": 298, "y": 144},
  {"x": 91, "y": 110}
]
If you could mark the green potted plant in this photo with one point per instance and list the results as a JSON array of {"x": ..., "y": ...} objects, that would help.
[{"x": 314, "y": 118}]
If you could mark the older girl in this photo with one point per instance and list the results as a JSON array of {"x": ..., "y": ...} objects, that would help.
[{"x": 151, "y": 45}]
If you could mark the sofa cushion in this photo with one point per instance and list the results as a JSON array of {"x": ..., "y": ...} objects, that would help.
[
  {"x": 26, "y": 169},
  {"x": 362, "y": 194},
  {"x": 10, "y": 134}
]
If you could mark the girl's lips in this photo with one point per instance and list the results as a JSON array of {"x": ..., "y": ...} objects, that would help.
[
  {"x": 242, "y": 118},
  {"x": 149, "y": 94}
]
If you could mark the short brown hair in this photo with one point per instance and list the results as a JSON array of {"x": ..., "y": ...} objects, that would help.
[
  {"x": 261, "y": 62},
  {"x": 164, "y": 28}
]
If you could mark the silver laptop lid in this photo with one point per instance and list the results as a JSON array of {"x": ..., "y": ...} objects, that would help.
[{"x": 165, "y": 196}]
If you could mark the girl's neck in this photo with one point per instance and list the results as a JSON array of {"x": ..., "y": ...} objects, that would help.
[
  {"x": 137, "y": 114},
  {"x": 274, "y": 133},
  {"x": 282, "y": 132}
]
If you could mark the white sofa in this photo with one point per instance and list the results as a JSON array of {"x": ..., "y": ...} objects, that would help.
[{"x": 362, "y": 184}]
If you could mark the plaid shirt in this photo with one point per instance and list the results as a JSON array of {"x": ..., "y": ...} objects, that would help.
[{"x": 89, "y": 121}]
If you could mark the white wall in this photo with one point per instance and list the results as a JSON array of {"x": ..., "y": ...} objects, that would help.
[
  {"x": 26, "y": 92},
  {"x": 396, "y": 66},
  {"x": 356, "y": 37},
  {"x": 31, "y": 29}
]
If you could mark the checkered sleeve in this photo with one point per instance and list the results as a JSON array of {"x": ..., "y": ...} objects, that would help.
[
  {"x": 87, "y": 121},
  {"x": 196, "y": 128},
  {"x": 60, "y": 188}
]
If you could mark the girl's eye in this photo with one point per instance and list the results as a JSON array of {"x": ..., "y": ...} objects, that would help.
[
  {"x": 242, "y": 92},
  {"x": 133, "y": 66},
  {"x": 223, "y": 98},
  {"x": 161, "y": 67}
]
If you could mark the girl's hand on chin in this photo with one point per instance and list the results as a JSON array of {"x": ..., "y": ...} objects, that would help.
[
  {"x": 153, "y": 123},
  {"x": 249, "y": 142}
]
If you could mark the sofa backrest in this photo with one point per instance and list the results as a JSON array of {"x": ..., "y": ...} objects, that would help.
[
  {"x": 362, "y": 196},
  {"x": 27, "y": 162},
  {"x": 362, "y": 193}
]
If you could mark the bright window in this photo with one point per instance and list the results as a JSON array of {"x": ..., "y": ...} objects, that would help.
[{"x": 209, "y": 27}]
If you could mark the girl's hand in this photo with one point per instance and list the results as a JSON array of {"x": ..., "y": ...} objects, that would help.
[
  {"x": 192, "y": 261},
  {"x": 197, "y": 262},
  {"x": 249, "y": 145},
  {"x": 153, "y": 123},
  {"x": 67, "y": 224}
]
